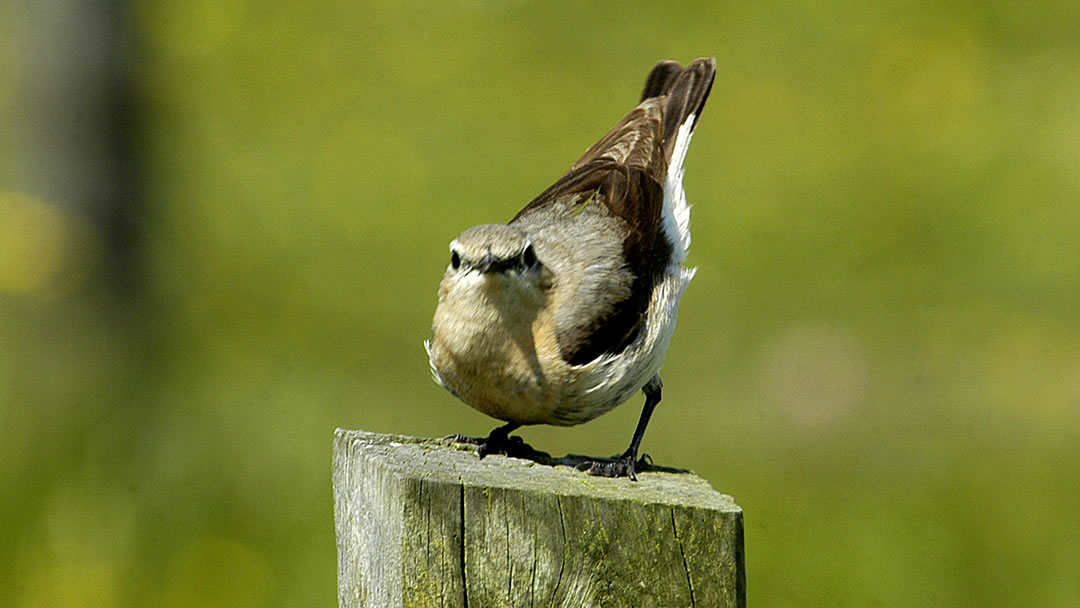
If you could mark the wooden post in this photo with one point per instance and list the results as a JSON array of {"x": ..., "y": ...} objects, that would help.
[{"x": 424, "y": 522}]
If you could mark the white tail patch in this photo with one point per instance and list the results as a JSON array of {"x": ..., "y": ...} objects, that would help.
[{"x": 676, "y": 209}]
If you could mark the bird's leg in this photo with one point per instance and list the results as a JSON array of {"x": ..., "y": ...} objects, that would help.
[
  {"x": 498, "y": 441},
  {"x": 627, "y": 464}
]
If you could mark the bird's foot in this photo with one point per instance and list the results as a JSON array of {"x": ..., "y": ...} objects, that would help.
[
  {"x": 626, "y": 465},
  {"x": 465, "y": 439},
  {"x": 497, "y": 443}
]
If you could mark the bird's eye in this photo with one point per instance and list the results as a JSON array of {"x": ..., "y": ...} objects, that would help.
[
  {"x": 528, "y": 257},
  {"x": 455, "y": 260}
]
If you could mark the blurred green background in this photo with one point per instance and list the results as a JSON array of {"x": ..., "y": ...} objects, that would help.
[{"x": 222, "y": 225}]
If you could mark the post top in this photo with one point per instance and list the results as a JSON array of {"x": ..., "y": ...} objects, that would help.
[{"x": 441, "y": 460}]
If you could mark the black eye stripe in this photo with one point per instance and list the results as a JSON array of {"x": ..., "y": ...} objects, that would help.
[{"x": 525, "y": 260}]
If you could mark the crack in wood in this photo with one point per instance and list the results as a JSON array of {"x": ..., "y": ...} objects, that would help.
[
  {"x": 682, "y": 552},
  {"x": 464, "y": 575},
  {"x": 562, "y": 562}
]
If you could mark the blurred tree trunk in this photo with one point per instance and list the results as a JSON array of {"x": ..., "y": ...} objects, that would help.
[{"x": 75, "y": 120}]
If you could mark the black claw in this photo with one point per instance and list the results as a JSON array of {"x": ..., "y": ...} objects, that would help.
[
  {"x": 623, "y": 466},
  {"x": 628, "y": 464},
  {"x": 502, "y": 444},
  {"x": 496, "y": 443},
  {"x": 457, "y": 438},
  {"x": 499, "y": 442}
]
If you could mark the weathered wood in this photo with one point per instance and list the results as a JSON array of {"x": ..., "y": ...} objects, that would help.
[{"x": 424, "y": 522}]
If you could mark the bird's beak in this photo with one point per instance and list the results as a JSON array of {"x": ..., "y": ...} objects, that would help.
[{"x": 491, "y": 264}]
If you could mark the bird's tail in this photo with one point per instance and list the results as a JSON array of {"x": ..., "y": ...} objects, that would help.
[
  {"x": 686, "y": 90},
  {"x": 683, "y": 92}
]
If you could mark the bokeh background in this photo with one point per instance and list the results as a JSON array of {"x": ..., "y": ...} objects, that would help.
[{"x": 222, "y": 225}]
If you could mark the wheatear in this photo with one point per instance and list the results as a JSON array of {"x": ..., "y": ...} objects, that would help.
[{"x": 568, "y": 310}]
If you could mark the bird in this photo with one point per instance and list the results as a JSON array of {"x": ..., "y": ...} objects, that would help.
[{"x": 567, "y": 310}]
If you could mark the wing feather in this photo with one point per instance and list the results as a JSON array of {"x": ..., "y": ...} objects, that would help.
[{"x": 605, "y": 217}]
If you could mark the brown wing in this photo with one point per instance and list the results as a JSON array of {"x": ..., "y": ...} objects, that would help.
[
  {"x": 624, "y": 172},
  {"x": 623, "y": 176}
]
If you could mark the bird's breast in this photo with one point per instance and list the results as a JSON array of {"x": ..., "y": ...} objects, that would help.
[{"x": 495, "y": 349}]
